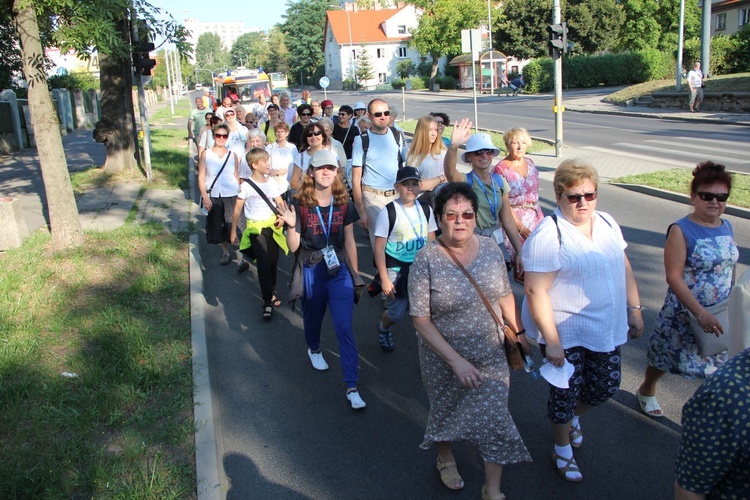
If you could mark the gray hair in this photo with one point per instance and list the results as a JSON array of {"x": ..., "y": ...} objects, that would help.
[
  {"x": 394, "y": 112},
  {"x": 256, "y": 132},
  {"x": 326, "y": 123}
]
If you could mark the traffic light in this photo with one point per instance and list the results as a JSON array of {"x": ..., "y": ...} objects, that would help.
[
  {"x": 142, "y": 61},
  {"x": 558, "y": 38}
]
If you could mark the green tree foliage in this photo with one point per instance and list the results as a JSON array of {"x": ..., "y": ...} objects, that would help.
[
  {"x": 594, "y": 25},
  {"x": 304, "y": 22},
  {"x": 521, "y": 30},
  {"x": 251, "y": 49},
  {"x": 364, "y": 67},
  {"x": 405, "y": 68},
  {"x": 439, "y": 30},
  {"x": 82, "y": 80},
  {"x": 278, "y": 54},
  {"x": 641, "y": 28},
  {"x": 668, "y": 17},
  {"x": 210, "y": 52},
  {"x": 740, "y": 57}
]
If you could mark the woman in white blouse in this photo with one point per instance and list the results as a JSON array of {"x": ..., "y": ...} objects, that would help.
[
  {"x": 581, "y": 301},
  {"x": 427, "y": 154}
]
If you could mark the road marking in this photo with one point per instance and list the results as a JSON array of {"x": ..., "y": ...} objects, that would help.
[
  {"x": 617, "y": 152},
  {"x": 732, "y": 144},
  {"x": 700, "y": 147},
  {"x": 675, "y": 152}
]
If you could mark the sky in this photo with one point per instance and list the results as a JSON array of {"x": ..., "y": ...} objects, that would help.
[{"x": 253, "y": 14}]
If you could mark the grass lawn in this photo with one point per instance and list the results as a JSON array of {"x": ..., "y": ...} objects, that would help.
[
  {"x": 720, "y": 83},
  {"x": 678, "y": 181},
  {"x": 95, "y": 361},
  {"x": 497, "y": 139}
]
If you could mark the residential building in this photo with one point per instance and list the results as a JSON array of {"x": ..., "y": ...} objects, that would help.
[
  {"x": 729, "y": 16},
  {"x": 382, "y": 32},
  {"x": 227, "y": 31}
]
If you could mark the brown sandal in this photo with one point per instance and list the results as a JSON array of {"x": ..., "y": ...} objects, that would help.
[
  {"x": 449, "y": 475},
  {"x": 570, "y": 466}
]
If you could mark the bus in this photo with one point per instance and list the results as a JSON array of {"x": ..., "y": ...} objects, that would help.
[
  {"x": 278, "y": 82},
  {"x": 243, "y": 84}
]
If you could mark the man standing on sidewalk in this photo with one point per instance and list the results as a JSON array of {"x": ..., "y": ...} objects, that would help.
[
  {"x": 197, "y": 120},
  {"x": 375, "y": 163},
  {"x": 695, "y": 82}
]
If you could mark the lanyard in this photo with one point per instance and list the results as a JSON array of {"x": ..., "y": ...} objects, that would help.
[
  {"x": 418, "y": 235},
  {"x": 326, "y": 230},
  {"x": 493, "y": 206}
]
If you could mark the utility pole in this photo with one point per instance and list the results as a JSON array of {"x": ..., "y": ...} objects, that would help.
[
  {"x": 679, "y": 45},
  {"x": 170, "y": 80},
  {"x": 558, "y": 44}
]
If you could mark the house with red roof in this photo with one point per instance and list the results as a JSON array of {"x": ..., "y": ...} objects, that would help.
[{"x": 382, "y": 33}]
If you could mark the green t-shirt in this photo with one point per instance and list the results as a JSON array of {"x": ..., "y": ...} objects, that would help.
[
  {"x": 485, "y": 219},
  {"x": 199, "y": 119}
]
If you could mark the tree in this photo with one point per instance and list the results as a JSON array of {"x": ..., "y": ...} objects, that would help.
[
  {"x": 439, "y": 30},
  {"x": 522, "y": 29},
  {"x": 641, "y": 28},
  {"x": 405, "y": 68},
  {"x": 251, "y": 49},
  {"x": 668, "y": 18},
  {"x": 594, "y": 25},
  {"x": 278, "y": 54},
  {"x": 364, "y": 68},
  {"x": 210, "y": 52},
  {"x": 304, "y": 22}
]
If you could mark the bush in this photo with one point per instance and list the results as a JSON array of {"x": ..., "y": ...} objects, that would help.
[
  {"x": 740, "y": 52},
  {"x": 721, "y": 55},
  {"x": 539, "y": 75},
  {"x": 405, "y": 68},
  {"x": 424, "y": 70},
  {"x": 418, "y": 83},
  {"x": 350, "y": 84},
  {"x": 398, "y": 83},
  {"x": 446, "y": 82},
  {"x": 82, "y": 80}
]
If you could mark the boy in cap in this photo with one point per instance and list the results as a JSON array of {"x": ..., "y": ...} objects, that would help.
[{"x": 403, "y": 227}]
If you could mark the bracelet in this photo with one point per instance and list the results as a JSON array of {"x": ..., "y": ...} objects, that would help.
[
  {"x": 521, "y": 332},
  {"x": 698, "y": 318},
  {"x": 638, "y": 308}
]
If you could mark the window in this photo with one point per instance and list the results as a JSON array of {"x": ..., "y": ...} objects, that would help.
[
  {"x": 721, "y": 21},
  {"x": 382, "y": 78},
  {"x": 401, "y": 29},
  {"x": 744, "y": 15},
  {"x": 380, "y": 53},
  {"x": 402, "y": 52}
]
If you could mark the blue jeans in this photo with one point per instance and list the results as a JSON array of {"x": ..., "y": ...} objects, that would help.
[{"x": 336, "y": 292}]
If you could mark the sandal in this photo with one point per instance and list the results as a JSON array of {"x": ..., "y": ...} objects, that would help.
[
  {"x": 649, "y": 405},
  {"x": 449, "y": 475},
  {"x": 570, "y": 466},
  {"x": 486, "y": 496},
  {"x": 267, "y": 312},
  {"x": 275, "y": 301},
  {"x": 576, "y": 435}
]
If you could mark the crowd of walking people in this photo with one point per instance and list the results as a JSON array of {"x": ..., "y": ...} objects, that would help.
[{"x": 297, "y": 178}]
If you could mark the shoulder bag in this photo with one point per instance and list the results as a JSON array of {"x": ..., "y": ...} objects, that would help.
[
  {"x": 208, "y": 191},
  {"x": 513, "y": 348},
  {"x": 708, "y": 343}
]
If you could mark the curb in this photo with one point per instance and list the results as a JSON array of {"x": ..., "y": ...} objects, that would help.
[
  {"x": 656, "y": 115},
  {"x": 208, "y": 485},
  {"x": 679, "y": 198}
]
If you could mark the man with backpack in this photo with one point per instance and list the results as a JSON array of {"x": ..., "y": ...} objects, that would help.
[{"x": 377, "y": 156}]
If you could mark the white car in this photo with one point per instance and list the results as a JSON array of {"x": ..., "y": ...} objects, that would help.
[{"x": 198, "y": 86}]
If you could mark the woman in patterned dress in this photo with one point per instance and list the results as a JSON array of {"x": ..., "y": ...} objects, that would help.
[
  {"x": 464, "y": 368},
  {"x": 523, "y": 178},
  {"x": 699, "y": 255}
]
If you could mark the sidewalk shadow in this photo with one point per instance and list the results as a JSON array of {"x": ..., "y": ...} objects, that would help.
[{"x": 238, "y": 466}]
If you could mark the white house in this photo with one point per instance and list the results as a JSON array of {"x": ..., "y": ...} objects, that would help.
[{"x": 383, "y": 33}]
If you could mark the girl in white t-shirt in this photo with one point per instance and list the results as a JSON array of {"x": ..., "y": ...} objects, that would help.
[
  {"x": 263, "y": 235},
  {"x": 427, "y": 155}
]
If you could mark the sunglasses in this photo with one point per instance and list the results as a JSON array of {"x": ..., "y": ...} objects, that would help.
[
  {"x": 575, "y": 198},
  {"x": 440, "y": 122},
  {"x": 378, "y": 114},
  {"x": 315, "y": 133},
  {"x": 453, "y": 216},
  {"x": 331, "y": 168},
  {"x": 221, "y": 136},
  {"x": 305, "y": 114},
  {"x": 481, "y": 152},
  {"x": 228, "y": 114},
  {"x": 706, "y": 196},
  {"x": 343, "y": 114}
]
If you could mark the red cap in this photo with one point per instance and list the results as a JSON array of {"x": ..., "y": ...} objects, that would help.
[{"x": 326, "y": 103}]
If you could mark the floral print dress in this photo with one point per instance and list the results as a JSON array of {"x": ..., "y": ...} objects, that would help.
[
  {"x": 440, "y": 290},
  {"x": 711, "y": 255},
  {"x": 523, "y": 196}
]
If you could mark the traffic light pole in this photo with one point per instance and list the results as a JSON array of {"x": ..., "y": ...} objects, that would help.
[
  {"x": 558, "y": 108},
  {"x": 145, "y": 128}
]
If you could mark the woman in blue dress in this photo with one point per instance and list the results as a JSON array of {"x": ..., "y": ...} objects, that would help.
[{"x": 699, "y": 255}]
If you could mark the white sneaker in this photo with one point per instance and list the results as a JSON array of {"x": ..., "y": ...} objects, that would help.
[
  {"x": 355, "y": 400},
  {"x": 316, "y": 358}
]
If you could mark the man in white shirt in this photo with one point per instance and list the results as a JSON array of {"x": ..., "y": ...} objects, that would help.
[
  {"x": 225, "y": 105},
  {"x": 695, "y": 82}
]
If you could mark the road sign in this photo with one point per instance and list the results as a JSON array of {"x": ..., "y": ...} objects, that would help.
[{"x": 324, "y": 82}]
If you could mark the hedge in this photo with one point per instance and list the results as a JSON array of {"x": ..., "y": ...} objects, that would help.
[{"x": 592, "y": 71}]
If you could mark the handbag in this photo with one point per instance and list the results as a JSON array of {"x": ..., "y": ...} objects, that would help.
[
  {"x": 513, "y": 348},
  {"x": 708, "y": 343}
]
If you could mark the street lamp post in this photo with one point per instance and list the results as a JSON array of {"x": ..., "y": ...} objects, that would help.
[{"x": 351, "y": 45}]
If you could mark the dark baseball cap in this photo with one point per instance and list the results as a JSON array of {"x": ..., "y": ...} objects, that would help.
[{"x": 407, "y": 173}]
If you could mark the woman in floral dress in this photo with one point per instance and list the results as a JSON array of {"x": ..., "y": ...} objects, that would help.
[
  {"x": 523, "y": 178},
  {"x": 699, "y": 256}
]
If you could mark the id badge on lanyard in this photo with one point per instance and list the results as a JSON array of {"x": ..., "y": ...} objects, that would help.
[{"x": 329, "y": 253}]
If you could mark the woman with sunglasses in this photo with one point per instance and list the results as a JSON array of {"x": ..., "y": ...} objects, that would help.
[
  {"x": 237, "y": 142},
  {"x": 219, "y": 182},
  {"x": 581, "y": 303},
  {"x": 314, "y": 139},
  {"x": 699, "y": 258},
  {"x": 326, "y": 272},
  {"x": 464, "y": 368},
  {"x": 269, "y": 126},
  {"x": 206, "y": 138}
]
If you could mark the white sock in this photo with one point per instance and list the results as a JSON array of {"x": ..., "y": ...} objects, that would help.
[
  {"x": 574, "y": 422},
  {"x": 566, "y": 452}
]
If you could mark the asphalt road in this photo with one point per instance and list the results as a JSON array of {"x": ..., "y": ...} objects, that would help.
[{"x": 287, "y": 431}]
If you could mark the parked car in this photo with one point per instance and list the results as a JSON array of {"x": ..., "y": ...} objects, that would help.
[{"x": 198, "y": 86}]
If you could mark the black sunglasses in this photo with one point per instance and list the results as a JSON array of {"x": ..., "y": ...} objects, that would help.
[
  {"x": 480, "y": 152},
  {"x": 315, "y": 133},
  {"x": 305, "y": 114},
  {"x": 453, "y": 216},
  {"x": 343, "y": 114},
  {"x": 706, "y": 196},
  {"x": 221, "y": 136},
  {"x": 378, "y": 114},
  {"x": 575, "y": 198}
]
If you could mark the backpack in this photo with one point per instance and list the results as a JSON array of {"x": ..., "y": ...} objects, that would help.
[
  {"x": 391, "y": 208},
  {"x": 366, "y": 145}
]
